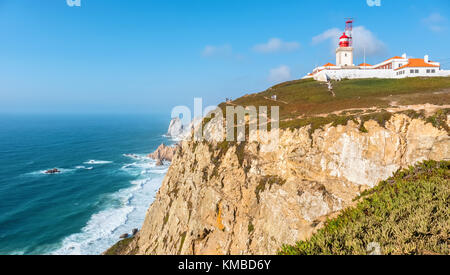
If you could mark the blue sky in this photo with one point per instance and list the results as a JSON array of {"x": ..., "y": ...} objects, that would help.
[{"x": 134, "y": 56}]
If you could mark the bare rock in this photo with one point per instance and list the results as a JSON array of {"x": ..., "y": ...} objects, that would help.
[
  {"x": 176, "y": 128},
  {"x": 163, "y": 153},
  {"x": 252, "y": 199}
]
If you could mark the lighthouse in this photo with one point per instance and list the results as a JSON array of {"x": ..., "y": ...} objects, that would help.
[
  {"x": 344, "y": 53},
  {"x": 394, "y": 67}
]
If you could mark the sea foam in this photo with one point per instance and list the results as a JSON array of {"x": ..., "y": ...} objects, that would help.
[
  {"x": 93, "y": 161},
  {"x": 105, "y": 227}
]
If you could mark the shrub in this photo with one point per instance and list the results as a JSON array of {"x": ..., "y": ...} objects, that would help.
[{"x": 406, "y": 214}]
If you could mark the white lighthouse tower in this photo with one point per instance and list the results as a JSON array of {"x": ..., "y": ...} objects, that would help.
[
  {"x": 344, "y": 53},
  {"x": 393, "y": 68}
]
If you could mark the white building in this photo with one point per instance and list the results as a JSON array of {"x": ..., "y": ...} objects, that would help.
[{"x": 395, "y": 67}]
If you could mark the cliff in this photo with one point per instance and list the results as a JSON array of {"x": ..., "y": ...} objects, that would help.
[
  {"x": 406, "y": 214},
  {"x": 239, "y": 198},
  {"x": 163, "y": 153},
  {"x": 176, "y": 128},
  {"x": 255, "y": 198},
  {"x": 179, "y": 131}
]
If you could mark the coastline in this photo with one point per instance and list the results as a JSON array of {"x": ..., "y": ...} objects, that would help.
[
  {"x": 124, "y": 211},
  {"x": 203, "y": 206}
]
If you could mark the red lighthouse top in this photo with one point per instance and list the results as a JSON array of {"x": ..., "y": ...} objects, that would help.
[{"x": 344, "y": 41}]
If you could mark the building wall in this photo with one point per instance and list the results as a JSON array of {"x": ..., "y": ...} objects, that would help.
[
  {"x": 399, "y": 63},
  {"x": 344, "y": 57},
  {"x": 355, "y": 73},
  {"x": 352, "y": 74},
  {"x": 422, "y": 72},
  {"x": 391, "y": 64}
]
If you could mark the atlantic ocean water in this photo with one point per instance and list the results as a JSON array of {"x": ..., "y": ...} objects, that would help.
[{"x": 105, "y": 186}]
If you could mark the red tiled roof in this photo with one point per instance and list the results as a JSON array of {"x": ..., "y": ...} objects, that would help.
[
  {"x": 395, "y": 57},
  {"x": 417, "y": 63},
  {"x": 328, "y": 65},
  {"x": 364, "y": 65}
]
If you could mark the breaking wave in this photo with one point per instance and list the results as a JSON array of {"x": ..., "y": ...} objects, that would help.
[
  {"x": 97, "y": 162},
  {"x": 125, "y": 211}
]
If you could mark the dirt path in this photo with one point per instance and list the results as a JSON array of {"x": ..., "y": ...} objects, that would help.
[{"x": 284, "y": 102}]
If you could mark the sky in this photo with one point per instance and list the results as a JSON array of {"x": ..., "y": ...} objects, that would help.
[{"x": 134, "y": 56}]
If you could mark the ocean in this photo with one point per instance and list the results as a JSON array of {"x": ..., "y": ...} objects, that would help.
[{"x": 101, "y": 193}]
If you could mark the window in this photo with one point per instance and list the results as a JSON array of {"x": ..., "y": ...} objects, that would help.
[
  {"x": 417, "y": 71},
  {"x": 433, "y": 71},
  {"x": 428, "y": 71},
  {"x": 411, "y": 71}
]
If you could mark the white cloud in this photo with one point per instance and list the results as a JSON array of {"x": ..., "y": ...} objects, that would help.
[
  {"x": 363, "y": 39},
  {"x": 221, "y": 50},
  {"x": 276, "y": 45},
  {"x": 280, "y": 74},
  {"x": 435, "y": 22},
  {"x": 332, "y": 34}
]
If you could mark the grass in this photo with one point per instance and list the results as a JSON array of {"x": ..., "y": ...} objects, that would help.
[
  {"x": 406, "y": 214},
  {"x": 308, "y": 97},
  {"x": 300, "y": 101}
]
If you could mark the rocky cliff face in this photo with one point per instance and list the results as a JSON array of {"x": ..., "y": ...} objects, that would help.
[
  {"x": 178, "y": 131},
  {"x": 176, "y": 128},
  {"x": 242, "y": 199},
  {"x": 163, "y": 153}
]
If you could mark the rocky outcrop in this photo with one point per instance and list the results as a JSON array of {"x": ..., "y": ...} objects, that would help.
[
  {"x": 228, "y": 198},
  {"x": 176, "y": 128},
  {"x": 163, "y": 153},
  {"x": 179, "y": 131}
]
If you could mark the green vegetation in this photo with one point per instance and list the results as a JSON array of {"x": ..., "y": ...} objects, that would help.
[
  {"x": 267, "y": 181},
  {"x": 317, "y": 122},
  {"x": 406, "y": 214},
  {"x": 119, "y": 247},
  {"x": 439, "y": 119},
  {"x": 381, "y": 116},
  {"x": 309, "y": 97},
  {"x": 304, "y": 102},
  {"x": 251, "y": 227},
  {"x": 183, "y": 238}
]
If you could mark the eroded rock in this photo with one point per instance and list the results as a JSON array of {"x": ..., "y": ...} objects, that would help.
[{"x": 246, "y": 200}]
